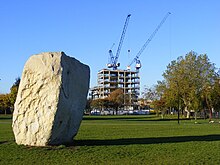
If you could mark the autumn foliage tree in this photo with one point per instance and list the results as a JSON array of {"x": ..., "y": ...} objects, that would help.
[
  {"x": 99, "y": 103},
  {"x": 116, "y": 99}
]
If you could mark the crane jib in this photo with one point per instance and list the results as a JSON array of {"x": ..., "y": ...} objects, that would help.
[
  {"x": 113, "y": 63},
  {"x": 148, "y": 41}
]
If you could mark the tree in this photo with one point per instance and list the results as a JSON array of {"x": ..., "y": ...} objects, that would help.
[
  {"x": 88, "y": 106},
  {"x": 7, "y": 100},
  {"x": 212, "y": 95},
  {"x": 14, "y": 92},
  {"x": 99, "y": 103},
  {"x": 150, "y": 93},
  {"x": 188, "y": 77},
  {"x": 5, "y": 104},
  {"x": 116, "y": 99},
  {"x": 160, "y": 106}
]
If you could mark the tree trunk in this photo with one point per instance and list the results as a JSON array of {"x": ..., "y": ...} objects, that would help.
[
  {"x": 195, "y": 117},
  {"x": 187, "y": 112},
  {"x": 210, "y": 116},
  {"x": 162, "y": 114}
]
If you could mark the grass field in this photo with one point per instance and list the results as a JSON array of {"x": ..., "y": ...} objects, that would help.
[{"x": 122, "y": 140}]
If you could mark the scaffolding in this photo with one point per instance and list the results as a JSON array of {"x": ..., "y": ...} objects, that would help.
[{"x": 110, "y": 80}]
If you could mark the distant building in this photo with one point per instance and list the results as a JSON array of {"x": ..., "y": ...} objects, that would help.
[{"x": 110, "y": 80}]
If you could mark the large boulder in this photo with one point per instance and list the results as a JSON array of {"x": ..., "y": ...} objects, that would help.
[{"x": 51, "y": 99}]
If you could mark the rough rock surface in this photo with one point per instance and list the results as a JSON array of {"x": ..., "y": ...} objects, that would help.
[{"x": 51, "y": 99}]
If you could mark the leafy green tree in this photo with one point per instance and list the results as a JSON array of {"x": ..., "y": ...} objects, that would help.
[
  {"x": 166, "y": 95},
  {"x": 14, "y": 92},
  {"x": 7, "y": 100},
  {"x": 88, "y": 106},
  {"x": 5, "y": 103},
  {"x": 188, "y": 77},
  {"x": 212, "y": 95},
  {"x": 169, "y": 96}
]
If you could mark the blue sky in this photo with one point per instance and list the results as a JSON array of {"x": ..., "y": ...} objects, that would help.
[{"x": 86, "y": 29}]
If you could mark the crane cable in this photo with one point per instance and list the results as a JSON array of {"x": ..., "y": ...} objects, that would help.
[{"x": 149, "y": 40}]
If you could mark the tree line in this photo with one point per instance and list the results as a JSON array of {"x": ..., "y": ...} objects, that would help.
[
  {"x": 191, "y": 84},
  {"x": 114, "y": 101}
]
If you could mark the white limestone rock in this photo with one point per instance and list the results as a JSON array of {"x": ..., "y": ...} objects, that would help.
[{"x": 51, "y": 99}]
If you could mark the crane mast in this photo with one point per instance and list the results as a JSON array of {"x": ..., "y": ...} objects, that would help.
[
  {"x": 114, "y": 60},
  {"x": 136, "y": 59}
]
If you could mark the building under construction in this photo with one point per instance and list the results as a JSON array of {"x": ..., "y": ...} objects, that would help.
[
  {"x": 110, "y": 80},
  {"x": 127, "y": 80}
]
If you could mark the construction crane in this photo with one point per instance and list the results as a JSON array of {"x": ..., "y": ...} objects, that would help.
[
  {"x": 114, "y": 59},
  {"x": 136, "y": 59}
]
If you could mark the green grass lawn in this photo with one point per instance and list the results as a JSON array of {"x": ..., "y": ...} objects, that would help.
[{"x": 122, "y": 140}]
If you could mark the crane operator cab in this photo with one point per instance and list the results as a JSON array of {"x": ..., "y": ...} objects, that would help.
[{"x": 138, "y": 65}]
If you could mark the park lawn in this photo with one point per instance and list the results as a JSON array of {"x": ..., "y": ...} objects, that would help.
[{"x": 122, "y": 140}]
